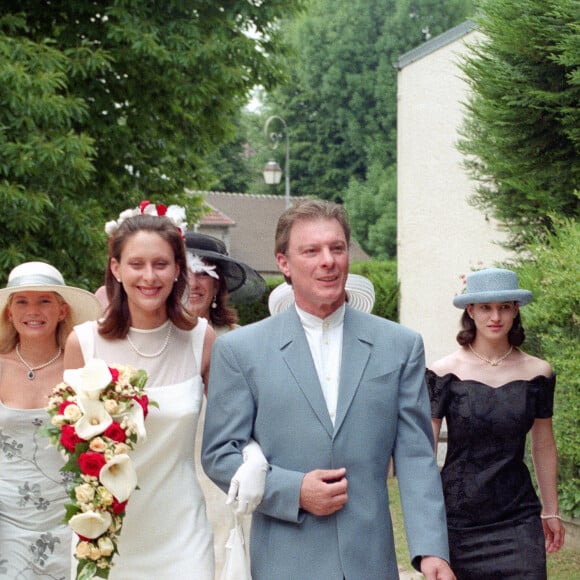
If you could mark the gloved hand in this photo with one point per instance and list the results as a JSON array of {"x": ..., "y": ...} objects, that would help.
[{"x": 247, "y": 486}]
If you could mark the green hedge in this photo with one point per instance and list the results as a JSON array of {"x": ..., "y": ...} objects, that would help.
[
  {"x": 552, "y": 324},
  {"x": 383, "y": 275}
]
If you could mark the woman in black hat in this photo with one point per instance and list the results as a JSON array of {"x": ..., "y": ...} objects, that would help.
[
  {"x": 491, "y": 394},
  {"x": 215, "y": 278}
]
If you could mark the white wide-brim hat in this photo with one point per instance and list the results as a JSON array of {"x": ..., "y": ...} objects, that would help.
[
  {"x": 42, "y": 277},
  {"x": 360, "y": 294},
  {"x": 492, "y": 285}
]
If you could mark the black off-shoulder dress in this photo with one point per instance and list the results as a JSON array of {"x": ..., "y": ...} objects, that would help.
[{"x": 495, "y": 531}]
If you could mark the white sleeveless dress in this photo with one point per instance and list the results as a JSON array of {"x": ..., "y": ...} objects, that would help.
[{"x": 166, "y": 534}]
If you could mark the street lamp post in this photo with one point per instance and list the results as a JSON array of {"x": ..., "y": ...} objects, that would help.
[{"x": 272, "y": 171}]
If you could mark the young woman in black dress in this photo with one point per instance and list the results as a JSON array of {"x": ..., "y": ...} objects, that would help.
[{"x": 492, "y": 394}]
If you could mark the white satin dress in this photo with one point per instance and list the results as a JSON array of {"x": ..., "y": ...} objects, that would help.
[{"x": 166, "y": 534}]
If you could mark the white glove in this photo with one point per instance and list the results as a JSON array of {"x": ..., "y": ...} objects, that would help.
[{"x": 247, "y": 486}]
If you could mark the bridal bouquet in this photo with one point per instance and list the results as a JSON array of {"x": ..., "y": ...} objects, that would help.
[{"x": 97, "y": 416}]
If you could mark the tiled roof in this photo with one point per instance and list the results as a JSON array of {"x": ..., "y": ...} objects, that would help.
[{"x": 247, "y": 223}]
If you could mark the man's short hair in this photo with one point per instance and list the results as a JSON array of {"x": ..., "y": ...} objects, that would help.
[{"x": 309, "y": 209}]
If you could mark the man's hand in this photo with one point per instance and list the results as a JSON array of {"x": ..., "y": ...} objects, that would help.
[
  {"x": 323, "y": 491},
  {"x": 434, "y": 568}
]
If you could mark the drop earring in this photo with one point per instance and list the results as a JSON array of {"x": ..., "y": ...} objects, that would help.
[{"x": 214, "y": 303}]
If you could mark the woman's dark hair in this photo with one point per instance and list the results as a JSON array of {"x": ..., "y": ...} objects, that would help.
[
  {"x": 117, "y": 321},
  {"x": 223, "y": 314},
  {"x": 466, "y": 335}
]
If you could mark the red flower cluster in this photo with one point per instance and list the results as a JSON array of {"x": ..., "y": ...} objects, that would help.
[{"x": 161, "y": 209}]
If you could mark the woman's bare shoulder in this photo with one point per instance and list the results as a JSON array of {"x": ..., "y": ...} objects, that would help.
[
  {"x": 535, "y": 366},
  {"x": 447, "y": 364}
]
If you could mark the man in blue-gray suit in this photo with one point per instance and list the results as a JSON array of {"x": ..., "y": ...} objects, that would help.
[{"x": 330, "y": 394}]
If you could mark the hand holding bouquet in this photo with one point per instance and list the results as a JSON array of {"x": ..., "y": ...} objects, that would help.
[{"x": 97, "y": 417}]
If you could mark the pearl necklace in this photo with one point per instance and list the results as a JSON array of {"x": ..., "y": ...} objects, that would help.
[
  {"x": 160, "y": 351},
  {"x": 30, "y": 368},
  {"x": 495, "y": 361}
]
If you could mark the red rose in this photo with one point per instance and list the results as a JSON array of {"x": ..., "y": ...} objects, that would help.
[
  {"x": 64, "y": 405},
  {"x": 161, "y": 209},
  {"x": 91, "y": 463},
  {"x": 69, "y": 438},
  {"x": 115, "y": 432},
  {"x": 143, "y": 205},
  {"x": 119, "y": 506},
  {"x": 114, "y": 374},
  {"x": 144, "y": 402}
]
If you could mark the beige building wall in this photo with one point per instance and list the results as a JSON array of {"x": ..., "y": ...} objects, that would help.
[{"x": 440, "y": 236}]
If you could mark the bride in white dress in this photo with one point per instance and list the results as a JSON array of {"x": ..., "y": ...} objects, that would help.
[{"x": 166, "y": 534}]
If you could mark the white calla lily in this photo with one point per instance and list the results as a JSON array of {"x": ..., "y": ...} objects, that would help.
[
  {"x": 91, "y": 380},
  {"x": 94, "y": 420},
  {"x": 136, "y": 416},
  {"x": 119, "y": 476},
  {"x": 91, "y": 524}
]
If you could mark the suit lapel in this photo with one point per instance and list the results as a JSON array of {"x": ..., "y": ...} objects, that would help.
[
  {"x": 356, "y": 350},
  {"x": 296, "y": 353}
]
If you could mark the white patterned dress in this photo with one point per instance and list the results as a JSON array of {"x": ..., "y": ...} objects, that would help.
[
  {"x": 166, "y": 534},
  {"x": 34, "y": 543}
]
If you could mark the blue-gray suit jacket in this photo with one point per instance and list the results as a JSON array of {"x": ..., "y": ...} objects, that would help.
[{"x": 263, "y": 384}]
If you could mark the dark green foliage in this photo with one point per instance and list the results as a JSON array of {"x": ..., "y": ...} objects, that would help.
[
  {"x": 552, "y": 324},
  {"x": 258, "y": 310},
  {"x": 106, "y": 103},
  {"x": 341, "y": 102},
  {"x": 383, "y": 275},
  {"x": 522, "y": 133}
]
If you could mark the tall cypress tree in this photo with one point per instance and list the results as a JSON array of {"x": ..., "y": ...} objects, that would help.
[{"x": 521, "y": 134}]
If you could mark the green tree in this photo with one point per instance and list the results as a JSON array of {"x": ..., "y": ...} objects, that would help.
[
  {"x": 552, "y": 324},
  {"x": 341, "y": 101},
  {"x": 522, "y": 131},
  {"x": 153, "y": 89},
  {"x": 43, "y": 160}
]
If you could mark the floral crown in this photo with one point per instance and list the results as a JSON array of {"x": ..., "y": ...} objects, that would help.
[{"x": 175, "y": 213}]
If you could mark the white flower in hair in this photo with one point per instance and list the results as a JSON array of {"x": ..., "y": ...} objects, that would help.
[
  {"x": 196, "y": 265},
  {"x": 175, "y": 213}
]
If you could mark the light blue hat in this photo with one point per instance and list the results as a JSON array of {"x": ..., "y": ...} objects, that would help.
[{"x": 492, "y": 285}]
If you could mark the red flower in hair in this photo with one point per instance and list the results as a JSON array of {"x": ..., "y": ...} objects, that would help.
[
  {"x": 161, "y": 209},
  {"x": 143, "y": 205}
]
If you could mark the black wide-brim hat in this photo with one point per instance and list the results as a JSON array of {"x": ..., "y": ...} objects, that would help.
[{"x": 244, "y": 284}]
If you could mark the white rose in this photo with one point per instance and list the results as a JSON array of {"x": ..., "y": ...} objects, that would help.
[
  {"x": 105, "y": 495},
  {"x": 106, "y": 546},
  {"x": 83, "y": 550},
  {"x": 58, "y": 420},
  {"x": 72, "y": 413},
  {"x": 121, "y": 448},
  {"x": 111, "y": 406},
  {"x": 85, "y": 493},
  {"x": 98, "y": 444},
  {"x": 95, "y": 553}
]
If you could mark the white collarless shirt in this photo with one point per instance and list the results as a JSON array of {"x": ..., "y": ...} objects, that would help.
[{"x": 324, "y": 336}]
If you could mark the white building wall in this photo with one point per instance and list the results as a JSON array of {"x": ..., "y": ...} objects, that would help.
[{"x": 440, "y": 236}]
